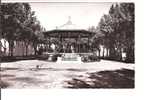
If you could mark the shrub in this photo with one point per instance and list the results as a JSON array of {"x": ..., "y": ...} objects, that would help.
[{"x": 90, "y": 58}]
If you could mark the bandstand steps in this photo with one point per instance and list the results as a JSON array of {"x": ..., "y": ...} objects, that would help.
[{"x": 69, "y": 58}]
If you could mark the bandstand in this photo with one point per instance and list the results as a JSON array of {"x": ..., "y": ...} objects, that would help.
[{"x": 71, "y": 40}]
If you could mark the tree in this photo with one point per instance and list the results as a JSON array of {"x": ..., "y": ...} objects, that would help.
[
  {"x": 97, "y": 40},
  {"x": 0, "y": 33},
  {"x": 118, "y": 30},
  {"x": 13, "y": 14},
  {"x": 19, "y": 23},
  {"x": 124, "y": 12}
]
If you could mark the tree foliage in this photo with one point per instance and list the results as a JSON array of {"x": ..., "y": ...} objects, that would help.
[
  {"x": 19, "y": 23},
  {"x": 118, "y": 29}
]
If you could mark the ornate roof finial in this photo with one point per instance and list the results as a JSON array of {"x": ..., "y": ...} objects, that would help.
[{"x": 69, "y": 20}]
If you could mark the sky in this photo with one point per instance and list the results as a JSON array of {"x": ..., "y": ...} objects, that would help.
[{"x": 84, "y": 15}]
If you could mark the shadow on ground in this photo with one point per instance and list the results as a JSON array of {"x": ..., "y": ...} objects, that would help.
[
  {"x": 4, "y": 84},
  {"x": 123, "y": 78}
]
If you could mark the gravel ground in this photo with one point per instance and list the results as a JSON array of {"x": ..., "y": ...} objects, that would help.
[{"x": 43, "y": 75}]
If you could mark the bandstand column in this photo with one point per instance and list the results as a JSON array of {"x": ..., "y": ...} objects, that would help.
[
  {"x": 79, "y": 43},
  {"x": 76, "y": 45},
  {"x": 88, "y": 44},
  {"x": 61, "y": 40},
  {"x": 49, "y": 41}
]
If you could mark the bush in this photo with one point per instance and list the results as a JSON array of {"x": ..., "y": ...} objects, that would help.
[
  {"x": 53, "y": 57},
  {"x": 90, "y": 58}
]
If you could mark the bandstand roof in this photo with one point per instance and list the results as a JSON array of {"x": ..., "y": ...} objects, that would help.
[
  {"x": 57, "y": 33},
  {"x": 69, "y": 30}
]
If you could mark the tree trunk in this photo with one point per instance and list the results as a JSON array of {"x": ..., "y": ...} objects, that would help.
[
  {"x": 11, "y": 45},
  {"x": 120, "y": 54},
  {"x": 26, "y": 46},
  {"x": 5, "y": 47},
  {"x": 112, "y": 53},
  {"x": 130, "y": 55},
  {"x": 26, "y": 50},
  {"x": 23, "y": 50},
  {"x": 107, "y": 52},
  {"x": 99, "y": 52},
  {"x": 35, "y": 48},
  {"x": 103, "y": 52}
]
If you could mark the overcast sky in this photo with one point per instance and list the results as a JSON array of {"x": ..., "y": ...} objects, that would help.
[{"x": 83, "y": 15}]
